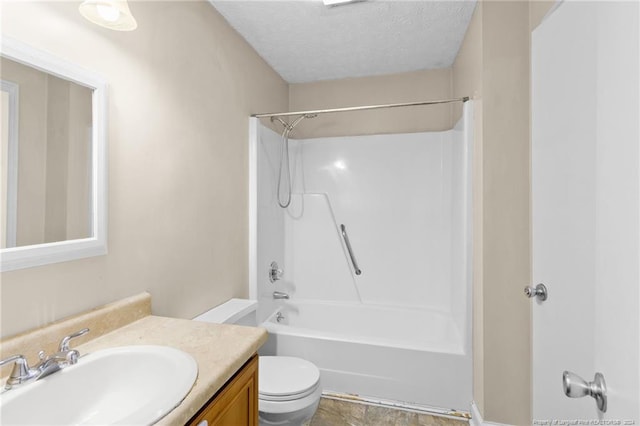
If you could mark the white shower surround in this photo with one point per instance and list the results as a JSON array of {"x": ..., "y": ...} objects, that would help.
[{"x": 405, "y": 201}]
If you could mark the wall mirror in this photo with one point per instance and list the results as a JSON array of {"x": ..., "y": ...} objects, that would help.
[{"x": 53, "y": 159}]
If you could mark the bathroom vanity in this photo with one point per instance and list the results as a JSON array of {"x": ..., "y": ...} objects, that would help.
[
  {"x": 225, "y": 391},
  {"x": 236, "y": 403}
]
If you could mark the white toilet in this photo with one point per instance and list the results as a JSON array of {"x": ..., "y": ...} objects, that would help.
[{"x": 288, "y": 388}]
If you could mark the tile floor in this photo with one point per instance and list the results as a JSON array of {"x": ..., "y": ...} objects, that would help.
[{"x": 333, "y": 412}]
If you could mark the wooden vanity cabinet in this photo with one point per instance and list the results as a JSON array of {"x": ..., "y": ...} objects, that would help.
[{"x": 236, "y": 404}]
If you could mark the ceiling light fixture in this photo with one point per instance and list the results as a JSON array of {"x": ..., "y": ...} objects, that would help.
[
  {"x": 112, "y": 14},
  {"x": 330, "y": 3}
]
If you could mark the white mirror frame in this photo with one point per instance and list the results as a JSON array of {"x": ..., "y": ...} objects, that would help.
[{"x": 42, "y": 254}]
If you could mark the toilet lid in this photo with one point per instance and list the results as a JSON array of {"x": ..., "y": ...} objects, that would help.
[{"x": 284, "y": 377}]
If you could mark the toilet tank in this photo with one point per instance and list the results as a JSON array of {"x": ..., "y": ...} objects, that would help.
[{"x": 233, "y": 311}]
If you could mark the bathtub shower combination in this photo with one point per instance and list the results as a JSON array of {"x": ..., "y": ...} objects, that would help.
[{"x": 373, "y": 252}]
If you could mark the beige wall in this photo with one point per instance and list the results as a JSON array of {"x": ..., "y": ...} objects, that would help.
[
  {"x": 181, "y": 88},
  {"x": 506, "y": 246},
  {"x": 494, "y": 65},
  {"x": 387, "y": 89}
]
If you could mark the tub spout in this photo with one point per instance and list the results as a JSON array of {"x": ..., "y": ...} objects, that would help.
[{"x": 280, "y": 295}]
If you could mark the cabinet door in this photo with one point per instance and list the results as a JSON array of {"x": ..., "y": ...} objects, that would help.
[{"x": 237, "y": 403}]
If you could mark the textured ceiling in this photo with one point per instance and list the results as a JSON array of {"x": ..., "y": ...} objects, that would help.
[{"x": 306, "y": 41}]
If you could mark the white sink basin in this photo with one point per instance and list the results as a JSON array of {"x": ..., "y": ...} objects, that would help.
[{"x": 130, "y": 385}]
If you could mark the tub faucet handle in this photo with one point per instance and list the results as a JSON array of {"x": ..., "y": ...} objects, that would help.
[{"x": 275, "y": 273}]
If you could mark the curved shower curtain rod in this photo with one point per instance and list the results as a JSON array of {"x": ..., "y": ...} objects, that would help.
[{"x": 359, "y": 108}]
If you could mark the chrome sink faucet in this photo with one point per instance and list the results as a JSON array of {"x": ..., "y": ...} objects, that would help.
[{"x": 22, "y": 373}]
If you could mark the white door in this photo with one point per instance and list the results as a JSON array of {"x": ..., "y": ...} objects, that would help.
[{"x": 585, "y": 209}]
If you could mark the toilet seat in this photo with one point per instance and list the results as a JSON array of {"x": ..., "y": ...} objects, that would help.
[{"x": 283, "y": 378}]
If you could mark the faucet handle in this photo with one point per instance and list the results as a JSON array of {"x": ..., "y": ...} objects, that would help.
[
  {"x": 64, "y": 343},
  {"x": 275, "y": 273},
  {"x": 21, "y": 371},
  {"x": 19, "y": 360}
]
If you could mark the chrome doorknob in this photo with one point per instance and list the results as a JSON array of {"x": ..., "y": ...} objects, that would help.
[
  {"x": 539, "y": 291},
  {"x": 575, "y": 386}
]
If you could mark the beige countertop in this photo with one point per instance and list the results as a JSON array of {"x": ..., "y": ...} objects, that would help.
[{"x": 219, "y": 349}]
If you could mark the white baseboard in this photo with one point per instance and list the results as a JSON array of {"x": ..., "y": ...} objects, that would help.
[{"x": 476, "y": 418}]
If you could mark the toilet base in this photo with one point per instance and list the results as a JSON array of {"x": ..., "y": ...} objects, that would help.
[{"x": 297, "y": 418}]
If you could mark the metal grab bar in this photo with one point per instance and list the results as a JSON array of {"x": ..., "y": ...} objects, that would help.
[{"x": 345, "y": 237}]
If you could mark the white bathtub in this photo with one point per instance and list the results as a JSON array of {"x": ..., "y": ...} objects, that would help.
[{"x": 412, "y": 356}]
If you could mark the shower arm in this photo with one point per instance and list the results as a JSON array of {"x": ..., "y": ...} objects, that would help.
[
  {"x": 284, "y": 123},
  {"x": 288, "y": 128}
]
